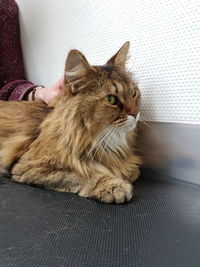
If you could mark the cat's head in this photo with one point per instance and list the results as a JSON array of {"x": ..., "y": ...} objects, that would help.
[{"x": 105, "y": 96}]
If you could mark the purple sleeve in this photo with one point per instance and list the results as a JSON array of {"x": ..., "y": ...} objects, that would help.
[
  {"x": 16, "y": 90},
  {"x": 13, "y": 84}
]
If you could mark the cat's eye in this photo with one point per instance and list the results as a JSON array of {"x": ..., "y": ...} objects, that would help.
[
  {"x": 134, "y": 94},
  {"x": 111, "y": 99}
]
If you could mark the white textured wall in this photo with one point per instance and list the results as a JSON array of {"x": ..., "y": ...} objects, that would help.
[{"x": 165, "y": 46}]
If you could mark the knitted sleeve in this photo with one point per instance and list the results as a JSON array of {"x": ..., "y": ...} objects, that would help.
[{"x": 13, "y": 84}]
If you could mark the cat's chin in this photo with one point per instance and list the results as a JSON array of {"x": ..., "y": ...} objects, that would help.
[
  {"x": 118, "y": 139},
  {"x": 131, "y": 123}
]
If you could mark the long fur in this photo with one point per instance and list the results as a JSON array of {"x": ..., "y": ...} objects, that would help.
[{"x": 78, "y": 143}]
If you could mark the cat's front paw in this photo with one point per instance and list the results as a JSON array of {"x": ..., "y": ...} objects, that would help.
[{"x": 118, "y": 191}]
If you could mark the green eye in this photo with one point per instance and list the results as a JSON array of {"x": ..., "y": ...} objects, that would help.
[{"x": 111, "y": 99}]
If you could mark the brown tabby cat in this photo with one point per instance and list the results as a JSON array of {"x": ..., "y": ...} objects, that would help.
[{"x": 83, "y": 142}]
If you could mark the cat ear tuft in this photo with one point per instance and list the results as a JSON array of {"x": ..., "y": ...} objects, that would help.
[
  {"x": 120, "y": 58},
  {"x": 76, "y": 66}
]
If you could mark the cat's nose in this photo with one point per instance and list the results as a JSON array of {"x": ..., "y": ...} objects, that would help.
[{"x": 133, "y": 112}]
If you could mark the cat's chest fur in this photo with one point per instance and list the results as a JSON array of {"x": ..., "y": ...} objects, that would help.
[{"x": 116, "y": 143}]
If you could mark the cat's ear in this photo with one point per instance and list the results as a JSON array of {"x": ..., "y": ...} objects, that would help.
[
  {"x": 120, "y": 58},
  {"x": 76, "y": 70},
  {"x": 76, "y": 66}
]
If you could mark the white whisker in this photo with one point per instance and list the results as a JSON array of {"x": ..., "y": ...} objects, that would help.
[
  {"x": 100, "y": 143},
  {"x": 96, "y": 143},
  {"x": 106, "y": 144}
]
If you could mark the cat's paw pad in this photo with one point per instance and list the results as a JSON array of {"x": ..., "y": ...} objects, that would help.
[{"x": 118, "y": 191}]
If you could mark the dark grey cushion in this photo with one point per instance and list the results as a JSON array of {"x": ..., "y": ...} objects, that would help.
[{"x": 159, "y": 227}]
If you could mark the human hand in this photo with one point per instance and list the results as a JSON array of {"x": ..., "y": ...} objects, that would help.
[{"x": 46, "y": 94}]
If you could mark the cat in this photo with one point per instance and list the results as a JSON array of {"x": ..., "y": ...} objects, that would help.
[{"x": 84, "y": 140}]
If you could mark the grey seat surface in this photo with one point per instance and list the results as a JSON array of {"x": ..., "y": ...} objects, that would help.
[{"x": 159, "y": 227}]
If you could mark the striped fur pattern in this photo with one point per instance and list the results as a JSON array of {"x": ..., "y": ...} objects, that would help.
[{"x": 80, "y": 142}]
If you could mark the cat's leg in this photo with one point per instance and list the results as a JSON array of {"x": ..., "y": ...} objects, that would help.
[
  {"x": 130, "y": 170},
  {"x": 108, "y": 190},
  {"x": 50, "y": 177},
  {"x": 105, "y": 188},
  {"x": 13, "y": 149},
  {"x": 133, "y": 175}
]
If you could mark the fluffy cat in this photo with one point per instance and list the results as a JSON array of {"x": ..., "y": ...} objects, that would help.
[{"x": 84, "y": 140}]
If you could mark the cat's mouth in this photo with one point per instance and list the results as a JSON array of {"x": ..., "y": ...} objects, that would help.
[
  {"x": 131, "y": 122},
  {"x": 127, "y": 124},
  {"x": 114, "y": 136}
]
